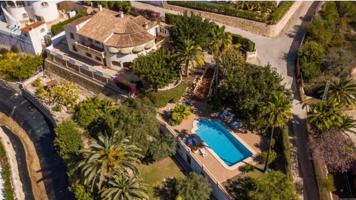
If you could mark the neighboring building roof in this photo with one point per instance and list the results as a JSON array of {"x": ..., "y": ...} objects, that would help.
[
  {"x": 70, "y": 5},
  {"x": 117, "y": 30},
  {"x": 29, "y": 27},
  {"x": 78, "y": 21}
]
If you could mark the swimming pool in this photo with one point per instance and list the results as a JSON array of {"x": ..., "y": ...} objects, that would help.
[{"x": 221, "y": 141}]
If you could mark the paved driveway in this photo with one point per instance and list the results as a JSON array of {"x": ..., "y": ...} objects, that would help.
[{"x": 42, "y": 135}]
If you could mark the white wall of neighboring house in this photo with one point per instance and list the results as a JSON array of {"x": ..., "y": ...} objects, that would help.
[
  {"x": 46, "y": 10},
  {"x": 37, "y": 38},
  {"x": 19, "y": 13}
]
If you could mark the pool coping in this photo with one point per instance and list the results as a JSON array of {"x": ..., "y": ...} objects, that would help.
[{"x": 238, "y": 164}]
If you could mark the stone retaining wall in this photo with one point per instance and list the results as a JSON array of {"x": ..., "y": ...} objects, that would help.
[{"x": 245, "y": 24}]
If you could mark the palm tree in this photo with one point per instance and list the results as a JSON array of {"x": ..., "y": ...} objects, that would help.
[
  {"x": 107, "y": 156},
  {"x": 277, "y": 113},
  {"x": 190, "y": 53},
  {"x": 220, "y": 41},
  {"x": 343, "y": 92},
  {"x": 324, "y": 115},
  {"x": 348, "y": 124},
  {"x": 123, "y": 187}
]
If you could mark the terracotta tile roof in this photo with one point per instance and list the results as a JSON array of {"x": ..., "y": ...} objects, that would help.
[
  {"x": 29, "y": 27},
  {"x": 111, "y": 29}
]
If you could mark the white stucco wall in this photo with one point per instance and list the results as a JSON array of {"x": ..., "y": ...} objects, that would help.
[{"x": 46, "y": 9}]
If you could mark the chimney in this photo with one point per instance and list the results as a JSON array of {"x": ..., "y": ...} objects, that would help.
[
  {"x": 100, "y": 7},
  {"x": 121, "y": 14}
]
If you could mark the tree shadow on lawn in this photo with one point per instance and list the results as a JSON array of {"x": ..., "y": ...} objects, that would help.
[{"x": 167, "y": 191}]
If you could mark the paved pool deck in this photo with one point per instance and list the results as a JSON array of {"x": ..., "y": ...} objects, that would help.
[{"x": 220, "y": 172}]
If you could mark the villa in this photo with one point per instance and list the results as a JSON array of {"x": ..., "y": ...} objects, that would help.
[
  {"x": 94, "y": 50},
  {"x": 111, "y": 38}
]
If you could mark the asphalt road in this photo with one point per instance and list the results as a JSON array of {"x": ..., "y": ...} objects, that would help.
[{"x": 41, "y": 133}]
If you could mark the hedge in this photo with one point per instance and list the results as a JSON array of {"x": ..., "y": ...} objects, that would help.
[
  {"x": 6, "y": 175},
  {"x": 162, "y": 98},
  {"x": 247, "y": 44},
  {"x": 170, "y": 18},
  {"x": 276, "y": 15},
  {"x": 221, "y": 9},
  {"x": 57, "y": 28},
  {"x": 282, "y": 8}
]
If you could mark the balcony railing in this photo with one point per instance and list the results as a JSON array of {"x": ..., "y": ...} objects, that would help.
[{"x": 91, "y": 50}]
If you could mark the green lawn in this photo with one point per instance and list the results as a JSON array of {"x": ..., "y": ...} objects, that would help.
[{"x": 153, "y": 174}]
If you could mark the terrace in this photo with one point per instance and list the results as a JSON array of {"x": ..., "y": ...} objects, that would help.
[{"x": 209, "y": 162}]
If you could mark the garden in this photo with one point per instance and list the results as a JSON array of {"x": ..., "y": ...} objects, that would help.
[
  {"x": 119, "y": 152},
  {"x": 267, "y": 12},
  {"x": 18, "y": 67},
  {"x": 328, "y": 51},
  {"x": 327, "y": 60}
]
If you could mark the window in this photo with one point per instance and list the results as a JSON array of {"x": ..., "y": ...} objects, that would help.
[
  {"x": 71, "y": 35},
  {"x": 97, "y": 58},
  {"x": 189, "y": 159},
  {"x": 88, "y": 54},
  {"x": 74, "y": 48},
  {"x": 115, "y": 63}
]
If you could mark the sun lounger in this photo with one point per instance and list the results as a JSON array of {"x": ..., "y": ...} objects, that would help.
[{"x": 203, "y": 152}]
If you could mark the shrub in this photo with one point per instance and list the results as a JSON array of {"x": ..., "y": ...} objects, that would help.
[
  {"x": 91, "y": 109},
  {"x": 272, "y": 157},
  {"x": 41, "y": 91},
  {"x": 328, "y": 183},
  {"x": 310, "y": 57},
  {"x": 194, "y": 185},
  {"x": 170, "y": 18},
  {"x": 179, "y": 113},
  {"x": 36, "y": 83},
  {"x": 18, "y": 67},
  {"x": 221, "y": 9},
  {"x": 310, "y": 71},
  {"x": 162, "y": 98},
  {"x": 57, "y": 108},
  {"x": 81, "y": 192},
  {"x": 66, "y": 93},
  {"x": 157, "y": 69},
  {"x": 6, "y": 175},
  {"x": 247, "y": 168},
  {"x": 68, "y": 140},
  {"x": 57, "y": 28},
  {"x": 282, "y": 8},
  {"x": 14, "y": 49},
  {"x": 162, "y": 147},
  {"x": 311, "y": 52},
  {"x": 247, "y": 44}
]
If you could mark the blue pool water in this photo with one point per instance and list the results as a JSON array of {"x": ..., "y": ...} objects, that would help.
[{"x": 221, "y": 141}]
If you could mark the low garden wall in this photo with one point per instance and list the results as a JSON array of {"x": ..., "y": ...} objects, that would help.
[{"x": 248, "y": 25}]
